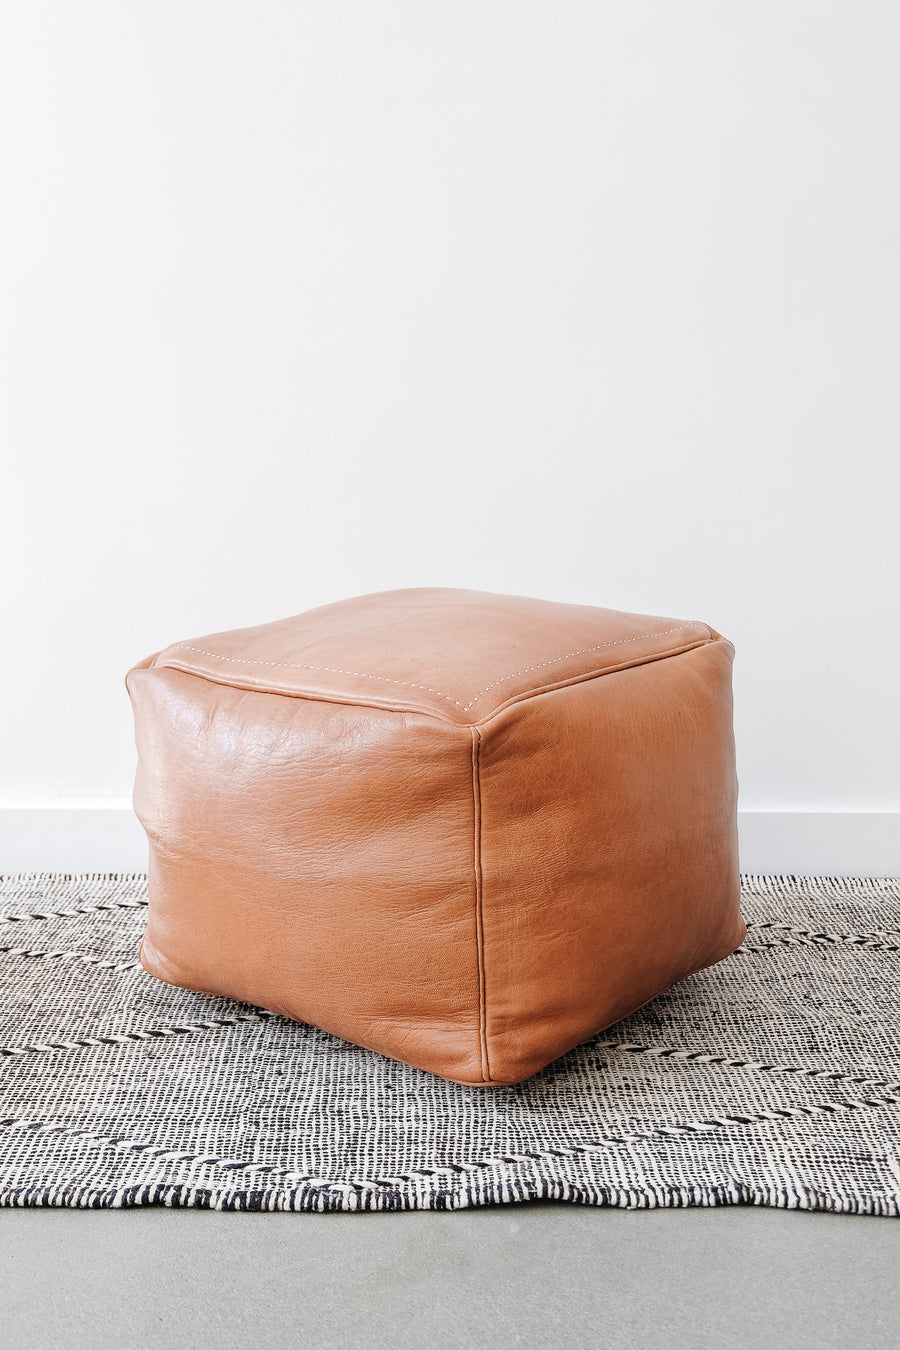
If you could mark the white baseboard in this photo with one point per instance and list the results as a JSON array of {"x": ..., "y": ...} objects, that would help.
[
  {"x": 820, "y": 843},
  {"x": 81, "y": 836},
  {"x": 105, "y": 836}
]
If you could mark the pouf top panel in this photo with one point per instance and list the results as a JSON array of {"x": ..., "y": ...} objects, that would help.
[{"x": 457, "y": 655}]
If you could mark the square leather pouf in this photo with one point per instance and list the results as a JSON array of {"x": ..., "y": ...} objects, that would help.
[{"x": 468, "y": 831}]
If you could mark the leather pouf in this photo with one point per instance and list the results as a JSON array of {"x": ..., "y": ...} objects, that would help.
[{"x": 467, "y": 831}]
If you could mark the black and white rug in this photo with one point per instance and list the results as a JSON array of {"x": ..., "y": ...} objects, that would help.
[{"x": 771, "y": 1079}]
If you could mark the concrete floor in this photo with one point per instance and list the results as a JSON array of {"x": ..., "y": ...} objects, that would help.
[{"x": 530, "y": 1275}]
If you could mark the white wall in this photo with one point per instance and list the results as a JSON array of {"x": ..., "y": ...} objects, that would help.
[{"x": 592, "y": 301}]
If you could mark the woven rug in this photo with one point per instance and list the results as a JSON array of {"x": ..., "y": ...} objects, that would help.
[{"x": 770, "y": 1079}]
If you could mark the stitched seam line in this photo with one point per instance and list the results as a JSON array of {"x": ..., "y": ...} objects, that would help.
[
  {"x": 479, "y": 897},
  {"x": 328, "y": 670},
  {"x": 408, "y": 684},
  {"x": 582, "y": 651}
]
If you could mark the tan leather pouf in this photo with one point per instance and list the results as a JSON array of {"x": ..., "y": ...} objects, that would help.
[{"x": 468, "y": 831}]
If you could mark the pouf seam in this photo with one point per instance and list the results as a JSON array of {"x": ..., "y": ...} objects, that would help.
[
  {"x": 618, "y": 642},
  {"x": 410, "y": 684},
  {"x": 591, "y": 675},
  {"x": 302, "y": 665},
  {"x": 319, "y": 696},
  {"x": 479, "y": 905}
]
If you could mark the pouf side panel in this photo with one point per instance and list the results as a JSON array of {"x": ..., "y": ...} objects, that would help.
[
  {"x": 608, "y": 851},
  {"x": 315, "y": 859}
]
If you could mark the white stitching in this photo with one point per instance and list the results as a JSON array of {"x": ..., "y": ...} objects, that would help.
[
  {"x": 385, "y": 679},
  {"x": 581, "y": 652},
  {"x": 296, "y": 665}
]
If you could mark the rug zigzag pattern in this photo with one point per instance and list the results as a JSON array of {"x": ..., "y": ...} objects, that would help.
[{"x": 772, "y": 1079}]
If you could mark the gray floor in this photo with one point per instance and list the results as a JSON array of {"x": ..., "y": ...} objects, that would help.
[{"x": 530, "y": 1275}]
